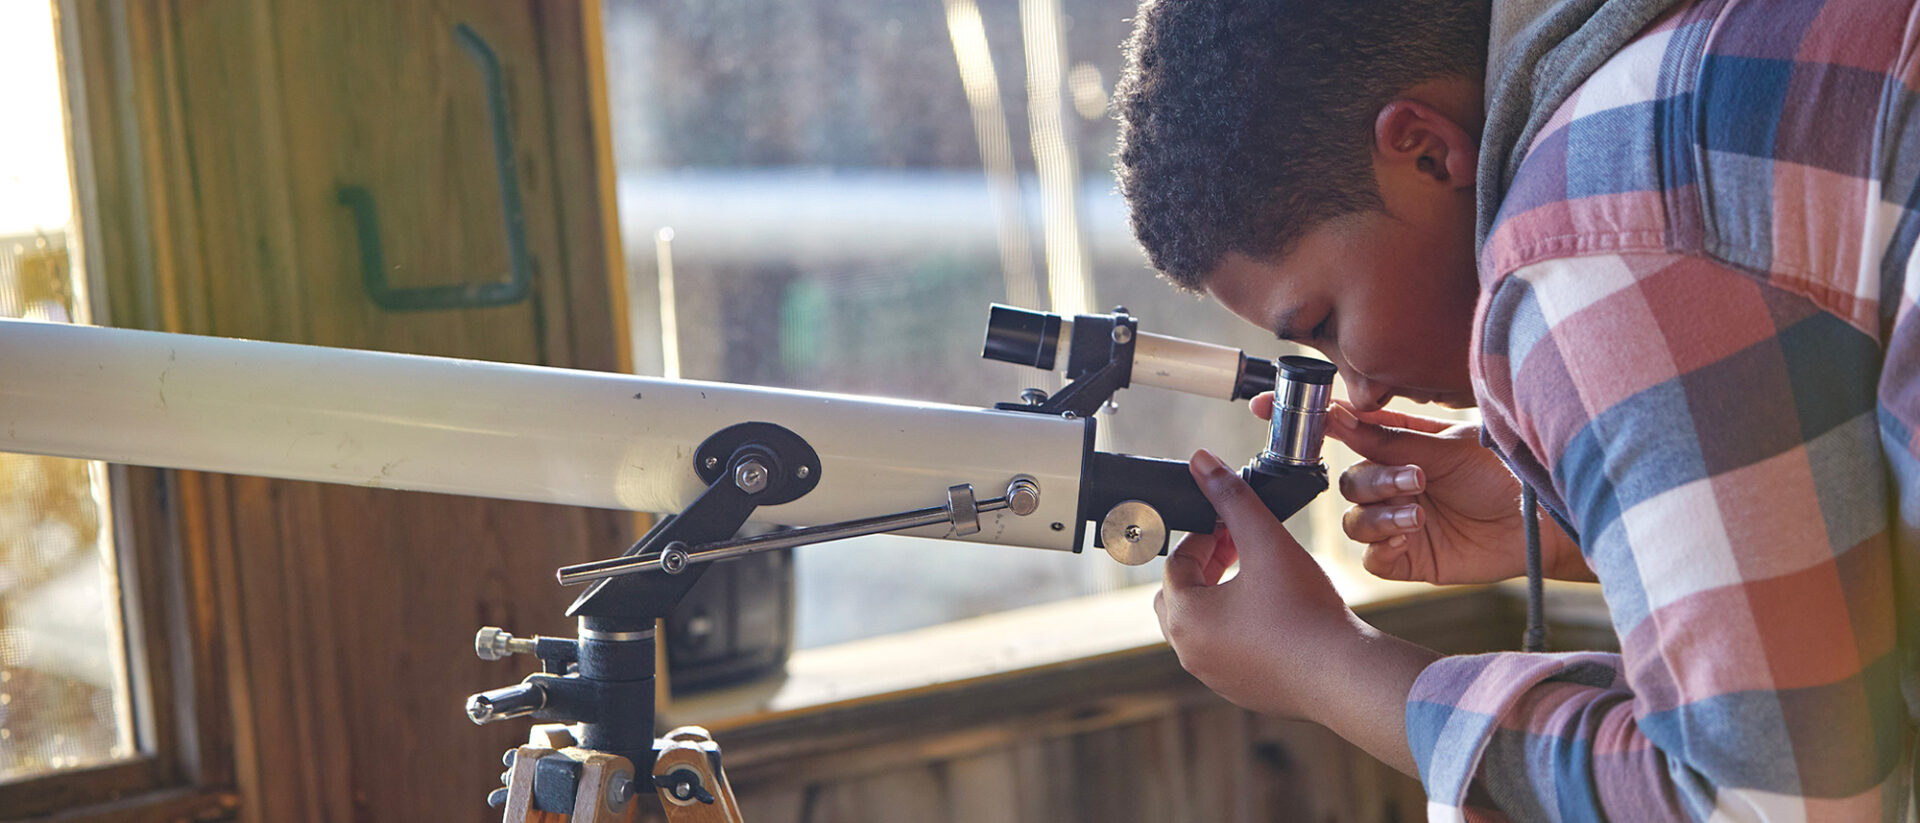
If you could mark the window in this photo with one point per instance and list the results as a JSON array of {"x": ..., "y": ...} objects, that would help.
[
  {"x": 65, "y": 700},
  {"x": 823, "y": 195}
]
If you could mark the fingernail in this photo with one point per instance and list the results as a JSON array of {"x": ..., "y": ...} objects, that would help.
[
  {"x": 1342, "y": 419},
  {"x": 1207, "y": 463},
  {"x": 1397, "y": 540},
  {"x": 1407, "y": 479},
  {"x": 1406, "y": 517}
]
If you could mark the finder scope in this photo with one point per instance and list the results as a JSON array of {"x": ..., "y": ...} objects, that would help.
[{"x": 1044, "y": 341}]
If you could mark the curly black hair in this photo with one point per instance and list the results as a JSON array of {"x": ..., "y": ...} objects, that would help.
[{"x": 1246, "y": 123}]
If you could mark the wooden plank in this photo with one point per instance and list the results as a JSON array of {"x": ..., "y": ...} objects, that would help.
[
  {"x": 1219, "y": 787},
  {"x": 987, "y": 787},
  {"x": 198, "y": 805},
  {"x": 347, "y": 614}
]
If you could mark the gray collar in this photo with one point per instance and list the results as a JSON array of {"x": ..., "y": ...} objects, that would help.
[{"x": 1539, "y": 52}]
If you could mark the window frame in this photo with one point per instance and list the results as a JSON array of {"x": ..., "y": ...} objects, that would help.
[{"x": 171, "y": 612}]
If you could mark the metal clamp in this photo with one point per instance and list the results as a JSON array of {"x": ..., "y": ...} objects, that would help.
[{"x": 961, "y": 511}]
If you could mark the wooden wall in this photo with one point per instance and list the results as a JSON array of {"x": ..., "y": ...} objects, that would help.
[{"x": 333, "y": 625}]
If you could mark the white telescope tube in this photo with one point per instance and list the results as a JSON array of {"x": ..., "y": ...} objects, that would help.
[{"x": 508, "y": 431}]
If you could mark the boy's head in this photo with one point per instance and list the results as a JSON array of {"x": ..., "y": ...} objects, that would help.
[{"x": 1310, "y": 165}]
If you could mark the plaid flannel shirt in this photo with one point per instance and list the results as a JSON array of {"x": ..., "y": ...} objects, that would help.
[{"x": 1696, "y": 340}]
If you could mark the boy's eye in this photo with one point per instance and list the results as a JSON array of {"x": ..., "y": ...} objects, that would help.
[{"x": 1320, "y": 331}]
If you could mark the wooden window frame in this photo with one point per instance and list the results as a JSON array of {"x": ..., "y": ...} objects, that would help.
[{"x": 184, "y": 766}]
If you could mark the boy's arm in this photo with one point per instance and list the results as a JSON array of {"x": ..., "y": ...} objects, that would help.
[{"x": 1714, "y": 439}]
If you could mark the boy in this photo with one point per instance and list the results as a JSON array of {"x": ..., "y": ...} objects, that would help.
[{"x": 1665, "y": 248}]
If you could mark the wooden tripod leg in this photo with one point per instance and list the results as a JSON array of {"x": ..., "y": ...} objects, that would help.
[
  {"x": 519, "y": 808},
  {"x": 701, "y": 793},
  {"x": 607, "y": 791}
]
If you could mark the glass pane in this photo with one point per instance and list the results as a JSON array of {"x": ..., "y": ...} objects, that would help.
[
  {"x": 823, "y": 195},
  {"x": 63, "y": 683}
]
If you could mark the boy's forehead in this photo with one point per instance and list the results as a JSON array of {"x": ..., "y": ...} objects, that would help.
[{"x": 1261, "y": 291}]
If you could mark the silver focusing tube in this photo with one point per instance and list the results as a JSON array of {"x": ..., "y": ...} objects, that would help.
[{"x": 1302, "y": 395}]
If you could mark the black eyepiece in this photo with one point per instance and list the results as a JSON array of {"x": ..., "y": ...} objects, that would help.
[
  {"x": 1029, "y": 338},
  {"x": 1307, "y": 370}
]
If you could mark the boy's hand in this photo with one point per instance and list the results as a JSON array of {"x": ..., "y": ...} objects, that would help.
[
  {"x": 1433, "y": 505},
  {"x": 1269, "y": 638}
]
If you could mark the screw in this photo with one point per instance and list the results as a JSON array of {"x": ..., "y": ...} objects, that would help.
[
  {"x": 1023, "y": 497},
  {"x": 713, "y": 462},
  {"x": 619, "y": 790},
  {"x": 494, "y": 643},
  {"x": 1033, "y": 397},
  {"x": 751, "y": 477},
  {"x": 674, "y": 559},
  {"x": 802, "y": 472},
  {"x": 1133, "y": 534},
  {"x": 479, "y": 709},
  {"x": 1122, "y": 334}
]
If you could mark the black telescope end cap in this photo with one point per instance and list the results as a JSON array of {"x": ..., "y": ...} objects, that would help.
[
  {"x": 1016, "y": 335},
  {"x": 1307, "y": 370}
]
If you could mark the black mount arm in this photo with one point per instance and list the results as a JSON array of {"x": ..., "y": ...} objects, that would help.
[{"x": 604, "y": 680}]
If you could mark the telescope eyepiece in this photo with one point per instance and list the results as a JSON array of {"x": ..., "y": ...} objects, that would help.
[
  {"x": 1308, "y": 370},
  {"x": 1029, "y": 338},
  {"x": 1301, "y": 397}
]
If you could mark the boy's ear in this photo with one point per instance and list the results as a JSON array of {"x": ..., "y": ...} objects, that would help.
[{"x": 1413, "y": 134}]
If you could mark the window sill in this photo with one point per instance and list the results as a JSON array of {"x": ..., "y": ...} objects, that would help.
[
  {"x": 964, "y": 653},
  {"x": 195, "y": 805},
  {"x": 1057, "y": 671}
]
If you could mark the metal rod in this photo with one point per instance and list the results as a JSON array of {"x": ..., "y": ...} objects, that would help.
[{"x": 650, "y": 561}]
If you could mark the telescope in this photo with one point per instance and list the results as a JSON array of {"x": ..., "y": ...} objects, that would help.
[{"x": 710, "y": 457}]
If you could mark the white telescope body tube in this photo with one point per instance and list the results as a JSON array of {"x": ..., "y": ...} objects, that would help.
[{"x": 506, "y": 431}]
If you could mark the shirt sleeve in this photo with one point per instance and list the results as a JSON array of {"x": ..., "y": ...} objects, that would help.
[{"x": 1713, "y": 439}]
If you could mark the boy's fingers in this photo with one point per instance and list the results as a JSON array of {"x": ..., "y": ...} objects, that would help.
[
  {"x": 1381, "y": 522},
  {"x": 1242, "y": 512},
  {"x": 1381, "y": 444},
  {"x": 1400, "y": 420},
  {"x": 1262, "y": 405},
  {"x": 1189, "y": 563},
  {"x": 1370, "y": 482},
  {"x": 1225, "y": 554},
  {"x": 1388, "y": 562}
]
